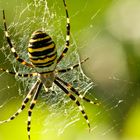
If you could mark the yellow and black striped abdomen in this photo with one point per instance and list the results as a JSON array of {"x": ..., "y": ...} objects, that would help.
[{"x": 42, "y": 50}]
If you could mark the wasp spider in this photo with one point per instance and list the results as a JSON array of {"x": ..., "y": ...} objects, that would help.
[{"x": 43, "y": 60}]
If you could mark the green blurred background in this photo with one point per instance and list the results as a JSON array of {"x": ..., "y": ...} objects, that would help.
[{"x": 106, "y": 31}]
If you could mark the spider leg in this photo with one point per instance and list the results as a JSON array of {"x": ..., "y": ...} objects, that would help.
[
  {"x": 67, "y": 34},
  {"x": 72, "y": 67},
  {"x": 33, "y": 102},
  {"x": 23, "y": 62},
  {"x": 25, "y": 101},
  {"x": 75, "y": 100},
  {"x": 19, "y": 74},
  {"x": 70, "y": 87}
]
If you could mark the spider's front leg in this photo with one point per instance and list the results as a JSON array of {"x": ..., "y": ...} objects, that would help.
[
  {"x": 32, "y": 104},
  {"x": 70, "y": 87},
  {"x": 73, "y": 98},
  {"x": 25, "y": 101}
]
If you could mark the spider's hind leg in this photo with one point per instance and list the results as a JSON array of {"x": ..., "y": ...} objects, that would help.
[
  {"x": 67, "y": 43},
  {"x": 72, "y": 67},
  {"x": 22, "y": 61},
  {"x": 19, "y": 74}
]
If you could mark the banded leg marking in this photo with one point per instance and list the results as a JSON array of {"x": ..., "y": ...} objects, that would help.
[
  {"x": 75, "y": 100},
  {"x": 70, "y": 87},
  {"x": 72, "y": 67},
  {"x": 25, "y": 101},
  {"x": 33, "y": 102},
  {"x": 19, "y": 74},
  {"x": 67, "y": 34},
  {"x": 23, "y": 62}
]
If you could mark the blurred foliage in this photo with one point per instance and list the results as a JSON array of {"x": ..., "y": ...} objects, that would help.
[{"x": 106, "y": 31}]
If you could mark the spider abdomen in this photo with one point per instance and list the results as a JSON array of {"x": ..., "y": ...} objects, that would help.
[{"x": 42, "y": 50}]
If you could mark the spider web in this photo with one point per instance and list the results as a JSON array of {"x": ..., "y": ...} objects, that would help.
[
  {"x": 39, "y": 16},
  {"x": 60, "y": 112}
]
